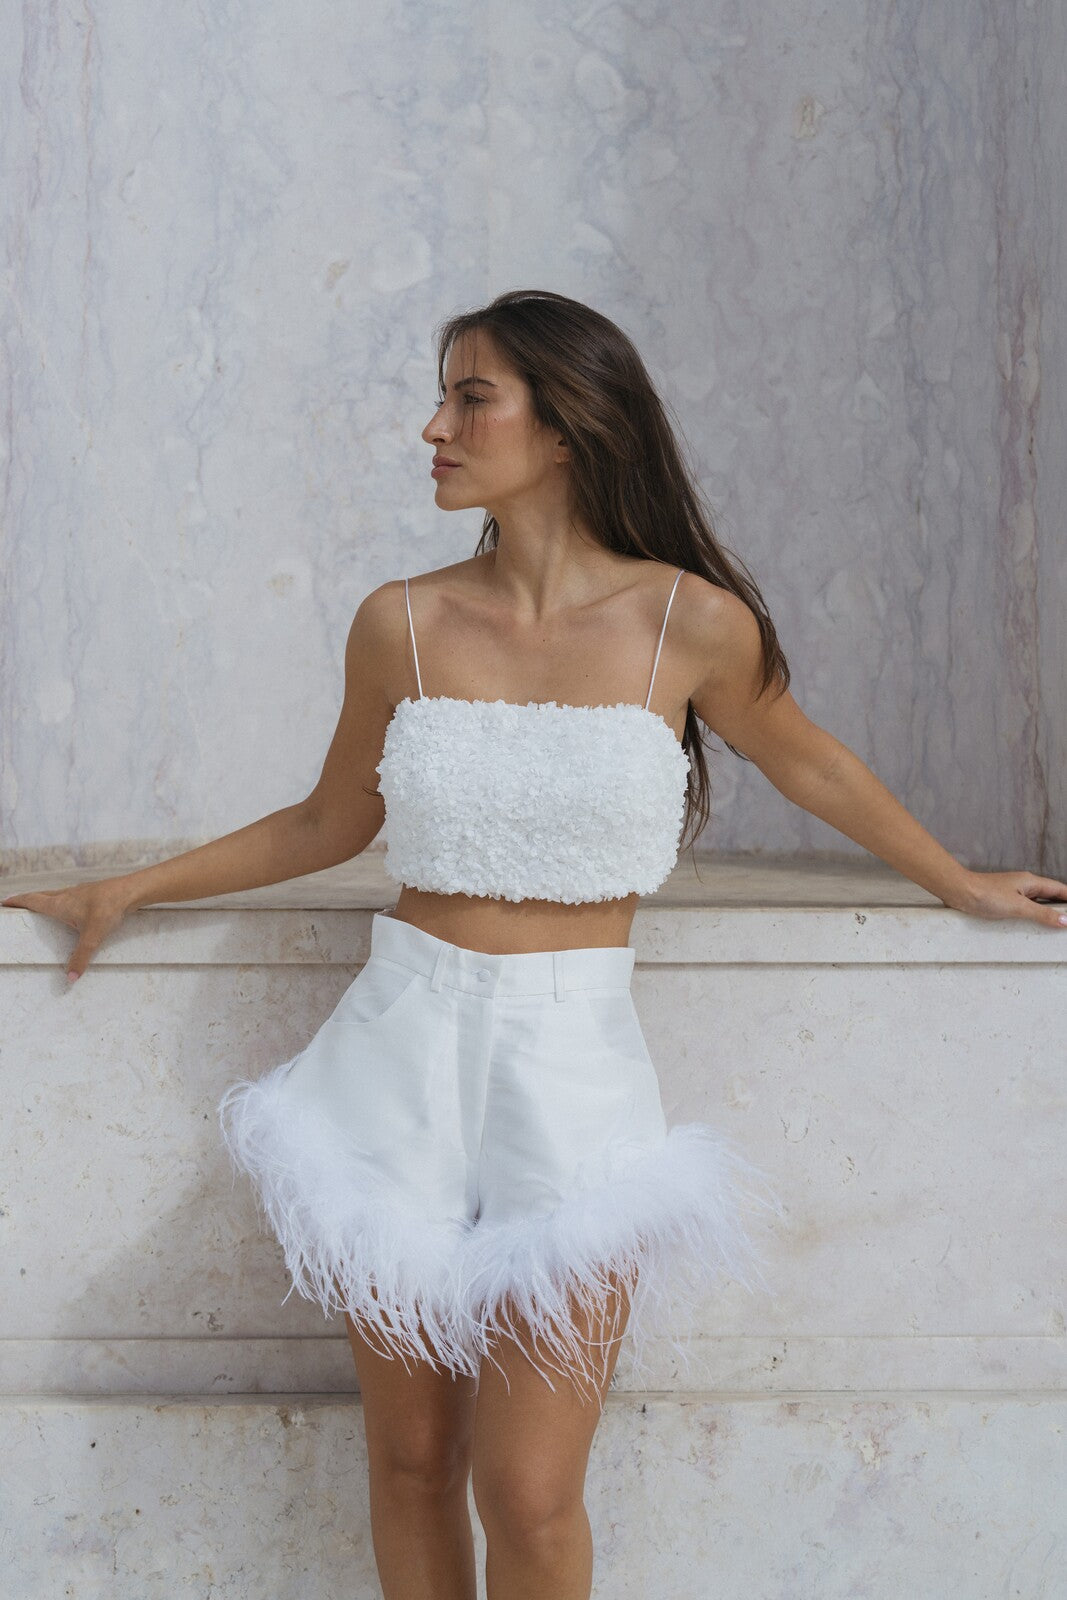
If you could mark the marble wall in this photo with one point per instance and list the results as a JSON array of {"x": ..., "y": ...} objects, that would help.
[
  {"x": 886, "y": 1420},
  {"x": 817, "y": 1499},
  {"x": 834, "y": 232}
]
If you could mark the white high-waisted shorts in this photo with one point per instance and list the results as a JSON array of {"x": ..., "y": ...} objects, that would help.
[{"x": 473, "y": 1145}]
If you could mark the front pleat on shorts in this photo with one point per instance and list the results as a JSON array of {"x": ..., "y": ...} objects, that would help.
[{"x": 473, "y": 1147}]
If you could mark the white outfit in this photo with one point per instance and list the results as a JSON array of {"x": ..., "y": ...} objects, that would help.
[
  {"x": 473, "y": 1141},
  {"x": 531, "y": 802}
]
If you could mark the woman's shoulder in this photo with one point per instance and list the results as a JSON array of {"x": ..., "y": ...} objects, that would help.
[
  {"x": 381, "y": 602},
  {"x": 470, "y": 570}
]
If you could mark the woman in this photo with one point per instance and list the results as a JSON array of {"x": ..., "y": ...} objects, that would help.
[{"x": 470, "y": 1157}]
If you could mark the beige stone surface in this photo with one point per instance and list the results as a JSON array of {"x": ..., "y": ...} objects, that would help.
[
  {"x": 939, "y": 1496},
  {"x": 700, "y": 877},
  {"x": 886, "y": 1421},
  {"x": 908, "y": 1105}
]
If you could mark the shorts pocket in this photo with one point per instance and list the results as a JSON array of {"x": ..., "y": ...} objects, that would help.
[
  {"x": 376, "y": 992},
  {"x": 612, "y": 1019}
]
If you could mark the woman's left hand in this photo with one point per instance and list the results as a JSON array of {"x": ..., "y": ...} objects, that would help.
[{"x": 1011, "y": 894}]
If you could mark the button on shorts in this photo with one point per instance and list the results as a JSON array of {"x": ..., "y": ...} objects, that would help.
[{"x": 473, "y": 1146}]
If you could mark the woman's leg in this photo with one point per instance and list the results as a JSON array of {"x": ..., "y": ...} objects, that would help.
[
  {"x": 419, "y": 1429},
  {"x": 531, "y": 1450}
]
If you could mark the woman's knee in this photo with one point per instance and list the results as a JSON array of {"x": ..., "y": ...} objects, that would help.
[
  {"x": 421, "y": 1460},
  {"x": 528, "y": 1507}
]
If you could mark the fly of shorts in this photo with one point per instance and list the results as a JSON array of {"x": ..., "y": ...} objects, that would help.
[{"x": 473, "y": 1147}]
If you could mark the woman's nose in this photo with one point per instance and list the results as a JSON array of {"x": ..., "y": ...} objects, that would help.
[{"x": 435, "y": 428}]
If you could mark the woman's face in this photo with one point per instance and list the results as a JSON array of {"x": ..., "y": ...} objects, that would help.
[{"x": 485, "y": 424}]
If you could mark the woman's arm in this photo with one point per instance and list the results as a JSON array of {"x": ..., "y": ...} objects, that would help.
[
  {"x": 336, "y": 821},
  {"x": 823, "y": 776},
  {"x": 285, "y": 844}
]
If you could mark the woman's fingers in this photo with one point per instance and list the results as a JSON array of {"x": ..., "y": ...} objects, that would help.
[
  {"x": 42, "y": 901},
  {"x": 84, "y": 951},
  {"x": 89, "y": 908},
  {"x": 1017, "y": 894}
]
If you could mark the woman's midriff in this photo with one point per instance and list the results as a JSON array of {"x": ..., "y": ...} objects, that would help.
[{"x": 510, "y": 927}]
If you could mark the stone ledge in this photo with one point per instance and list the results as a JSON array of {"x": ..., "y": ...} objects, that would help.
[
  {"x": 662, "y": 936},
  {"x": 741, "y": 1365},
  {"x": 618, "y": 1399},
  {"x": 711, "y": 911}
]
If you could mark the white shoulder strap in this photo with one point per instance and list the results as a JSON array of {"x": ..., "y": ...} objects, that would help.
[
  {"x": 411, "y": 628},
  {"x": 662, "y": 631}
]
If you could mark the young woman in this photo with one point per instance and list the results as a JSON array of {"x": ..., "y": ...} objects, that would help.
[{"x": 469, "y": 1159}]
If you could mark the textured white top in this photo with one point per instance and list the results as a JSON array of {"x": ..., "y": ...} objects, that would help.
[{"x": 540, "y": 801}]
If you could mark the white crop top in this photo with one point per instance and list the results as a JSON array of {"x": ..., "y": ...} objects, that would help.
[{"x": 540, "y": 801}]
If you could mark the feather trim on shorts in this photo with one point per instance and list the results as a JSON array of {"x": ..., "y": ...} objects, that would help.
[
  {"x": 669, "y": 1222},
  {"x": 352, "y": 1241}
]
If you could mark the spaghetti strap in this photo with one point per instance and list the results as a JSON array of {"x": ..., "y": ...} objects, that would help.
[
  {"x": 662, "y": 631},
  {"x": 411, "y": 628}
]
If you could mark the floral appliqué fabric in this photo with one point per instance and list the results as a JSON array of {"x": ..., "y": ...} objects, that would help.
[{"x": 539, "y": 801}]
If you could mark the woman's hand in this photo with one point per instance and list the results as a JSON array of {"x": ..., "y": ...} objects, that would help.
[
  {"x": 1012, "y": 894},
  {"x": 93, "y": 909}
]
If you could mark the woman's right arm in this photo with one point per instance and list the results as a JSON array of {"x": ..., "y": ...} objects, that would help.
[{"x": 337, "y": 820}]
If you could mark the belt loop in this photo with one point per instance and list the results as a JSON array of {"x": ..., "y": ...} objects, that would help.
[
  {"x": 557, "y": 974},
  {"x": 438, "y": 968}
]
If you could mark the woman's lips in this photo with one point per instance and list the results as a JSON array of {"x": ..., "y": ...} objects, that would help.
[{"x": 439, "y": 472}]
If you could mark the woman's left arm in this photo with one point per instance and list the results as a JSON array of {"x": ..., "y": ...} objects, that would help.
[{"x": 823, "y": 776}]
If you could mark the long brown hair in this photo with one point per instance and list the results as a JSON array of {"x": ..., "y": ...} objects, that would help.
[{"x": 632, "y": 485}]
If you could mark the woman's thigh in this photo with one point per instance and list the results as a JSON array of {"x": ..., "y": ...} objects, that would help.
[
  {"x": 532, "y": 1441},
  {"x": 418, "y": 1417}
]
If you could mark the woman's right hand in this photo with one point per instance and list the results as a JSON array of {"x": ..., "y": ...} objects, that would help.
[{"x": 93, "y": 909}]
